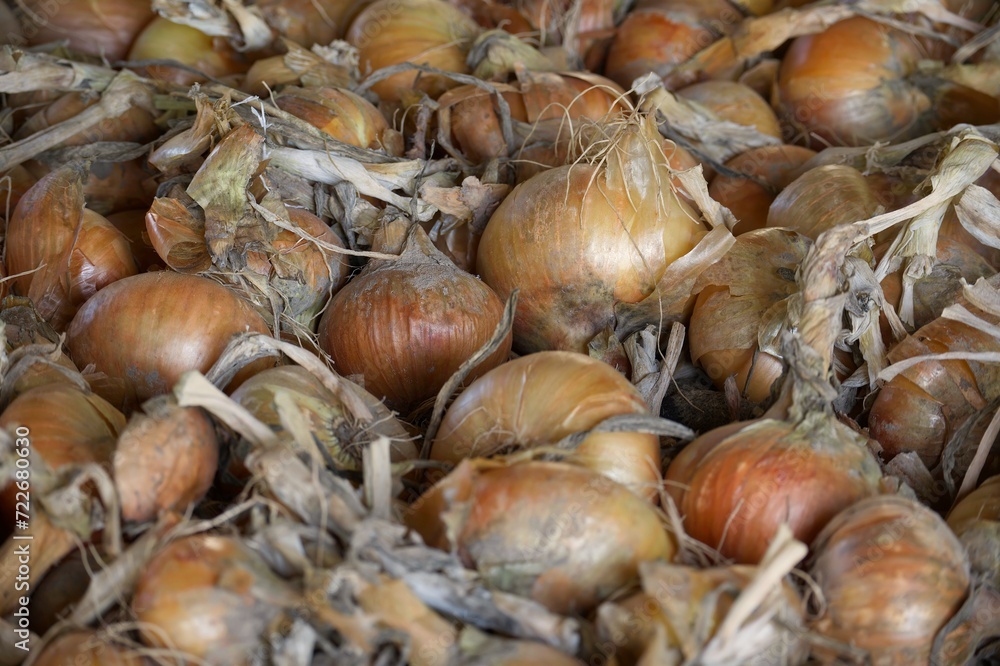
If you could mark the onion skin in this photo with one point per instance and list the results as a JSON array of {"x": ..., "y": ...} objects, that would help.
[
  {"x": 341, "y": 114},
  {"x": 559, "y": 534},
  {"x": 777, "y": 166},
  {"x": 151, "y": 328},
  {"x": 210, "y": 597},
  {"x": 98, "y": 27},
  {"x": 407, "y": 325},
  {"x": 135, "y": 124},
  {"x": 163, "y": 39},
  {"x": 736, "y": 103},
  {"x": 823, "y": 198},
  {"x": 891, "y": 574},
  {"x": 539, "y": 399},
  {"x": 87, "y": 648},
  {"x": 424, "y": 32},
  {"x": 579, "y": 239},
  {"x": 976, "y": 522},
  {"x": 737, "y": 484}
]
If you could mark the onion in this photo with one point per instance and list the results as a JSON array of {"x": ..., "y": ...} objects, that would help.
[
  {"x": 848, "y": 86},
  {"x": 423, "y": 32},
  {"x": 769, "y": 169},
  {"x": 165, "y": 460},
  {"x": 740, "y": 310},
  {"x": 163, "y": 39},
  {"x": 343, "y": 115},
  {"x": 309, "y": 22},
  {"x": 65, "y": 252},
  {"x": 100, "y": 27},
  {"x": 13, "y": 185},
  {"x": 481, "y": 649},
  {"x": 331, "y": 424},
  {"x": 976, "y": 522},
  {"x": 210, "y": 597},
  {"x": 580, "y": 239},
  {"x": 891, "y": 575},
  {"x": 147, "y": 330},
  {"x": 132, "y": 224},
  {"x": 87, "y": 648},
  {"x": 822, "y": 198},
  {"x": 406, "y": 325},
  {"x": 135, "y": 124},
  {"x": 736, "y": 103},
  {"x": 112, "y": 187},
  {"x": 537, "y": 400},
  {"x": 562, "y": 535}
]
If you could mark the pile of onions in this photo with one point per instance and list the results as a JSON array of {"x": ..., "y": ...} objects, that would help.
[
  {"x": 769, "y": 170},
  {"x": 146, "y": 330},
  {"x": 740, "y": 311},
  {"x": 849, "y": 86},
  {"x": 211, "y": 598},
  {"x": 101, "y": 27},
  {"x": 163, "y": 39},
  {"x": 422, "y": 32},
  {"x": 539, "y": 399},
  {"x": 976, "y": 522},
  {"x": 891, "y": 575},
  {"x": 578, "y": 240},
  {"x": 165, "y": 459},
  {"x": 63, "y": 252},
  {"x": 560, "y": 534},
  {"x": 407, "y": 324},
  {"x": 343, "y": 115}
]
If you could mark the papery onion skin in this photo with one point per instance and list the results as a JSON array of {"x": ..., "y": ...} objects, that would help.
[
  {"x": 737, "y": 484},
  {"x": 777, "y": 166},
  {"x": 87, "y": 648},
  {"x": 423, "y": 32},
  {"x": 339, "y": 113},
  {"x": 891, "y": 575},
  {"x": 163, "y": 39},
  {"x": 210, "y": 597},
  {"x": 578, "y": 240},
  {"x": 151, "y": 328},
  {"x": 99, "y": 27},
  {"x": 135, "y": 124},
  {"x": 559, "y": 534},
  {"x": 539, "y": 399},
  {"x": 975, "y": 520},
  {"x": 407, "y": 325}
]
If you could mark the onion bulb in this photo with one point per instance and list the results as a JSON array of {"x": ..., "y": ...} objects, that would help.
[
  {"x": 87, "y": 648},
  {"x": 151, "y": 328},
  {"x": 165, "y": 459},
  {"x": 976, "y": 522},
  {"x": 422, "y": 32},
  {"x": 562, "y": 535},
  {"x": 891, "y": 575},
  {"x": 406, "y": 325},
  {"x": 211, "y": 598},
  {"x": 740, "y": 310},
  {"x": 63, "y": 253},
  {"x": 537, "y": 400},
  {"x": 822, "y": 198},
  {"x": 99, "y": 27},
  {"x": 768, "y": 170},
  {"x": 580, "y": 239},
  {"x": 736, "y": 103},
  {"x": 134, "y": 124},
  {"x": 343, "y": 115},
  {"x": 210, "y": 56},
  {"x": 309, "y": 22}
]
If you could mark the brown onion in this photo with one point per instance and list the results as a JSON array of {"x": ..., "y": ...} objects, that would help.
[
  {"x": 562, "y": 535},
  {"x": 976, "y": 522},
  {"x": 423, "y": 32},
  {"x": 65, "y": 252},
  {"x": 211, "y": 598},
  {"x": 822, "y": 198},
  {"x": 580, "y": 239},
  {"x": 343, "y": 115},
  {"x": 135, "y": 124},
  {"x": 132, "y": 223},
  {"x": 737, "y": 484},
  {"x": 406, "y": 325},
  {"x": 738, "y": 316},
  {"x": 149, "y": 329},
  {"x": 309, "y": 22},
  {"x": 163, "y": 39},
  {"x": 87, "y": 648},
  {"x": 13, "y": 185},
  {"x": 541, "y": 398},
  {"x": 891, "y": 575},
  {"x": 736, "y": 103},
  {"x": 165, "y": 459},
  {"x": 100, "y": 27},
  {"x": 769, "y": 170}
]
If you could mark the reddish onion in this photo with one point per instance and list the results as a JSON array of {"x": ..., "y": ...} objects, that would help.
[
  {"x": 537, "y": 400},
  {"x": 891, "y": 575},
  {"x": 562, "y": 535},
  {"x": 407, "y": 324},
  {"x": 63, "y": 252},
  {"x": 149, "y": 329},
  {"x": 100, "y": 27}
]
